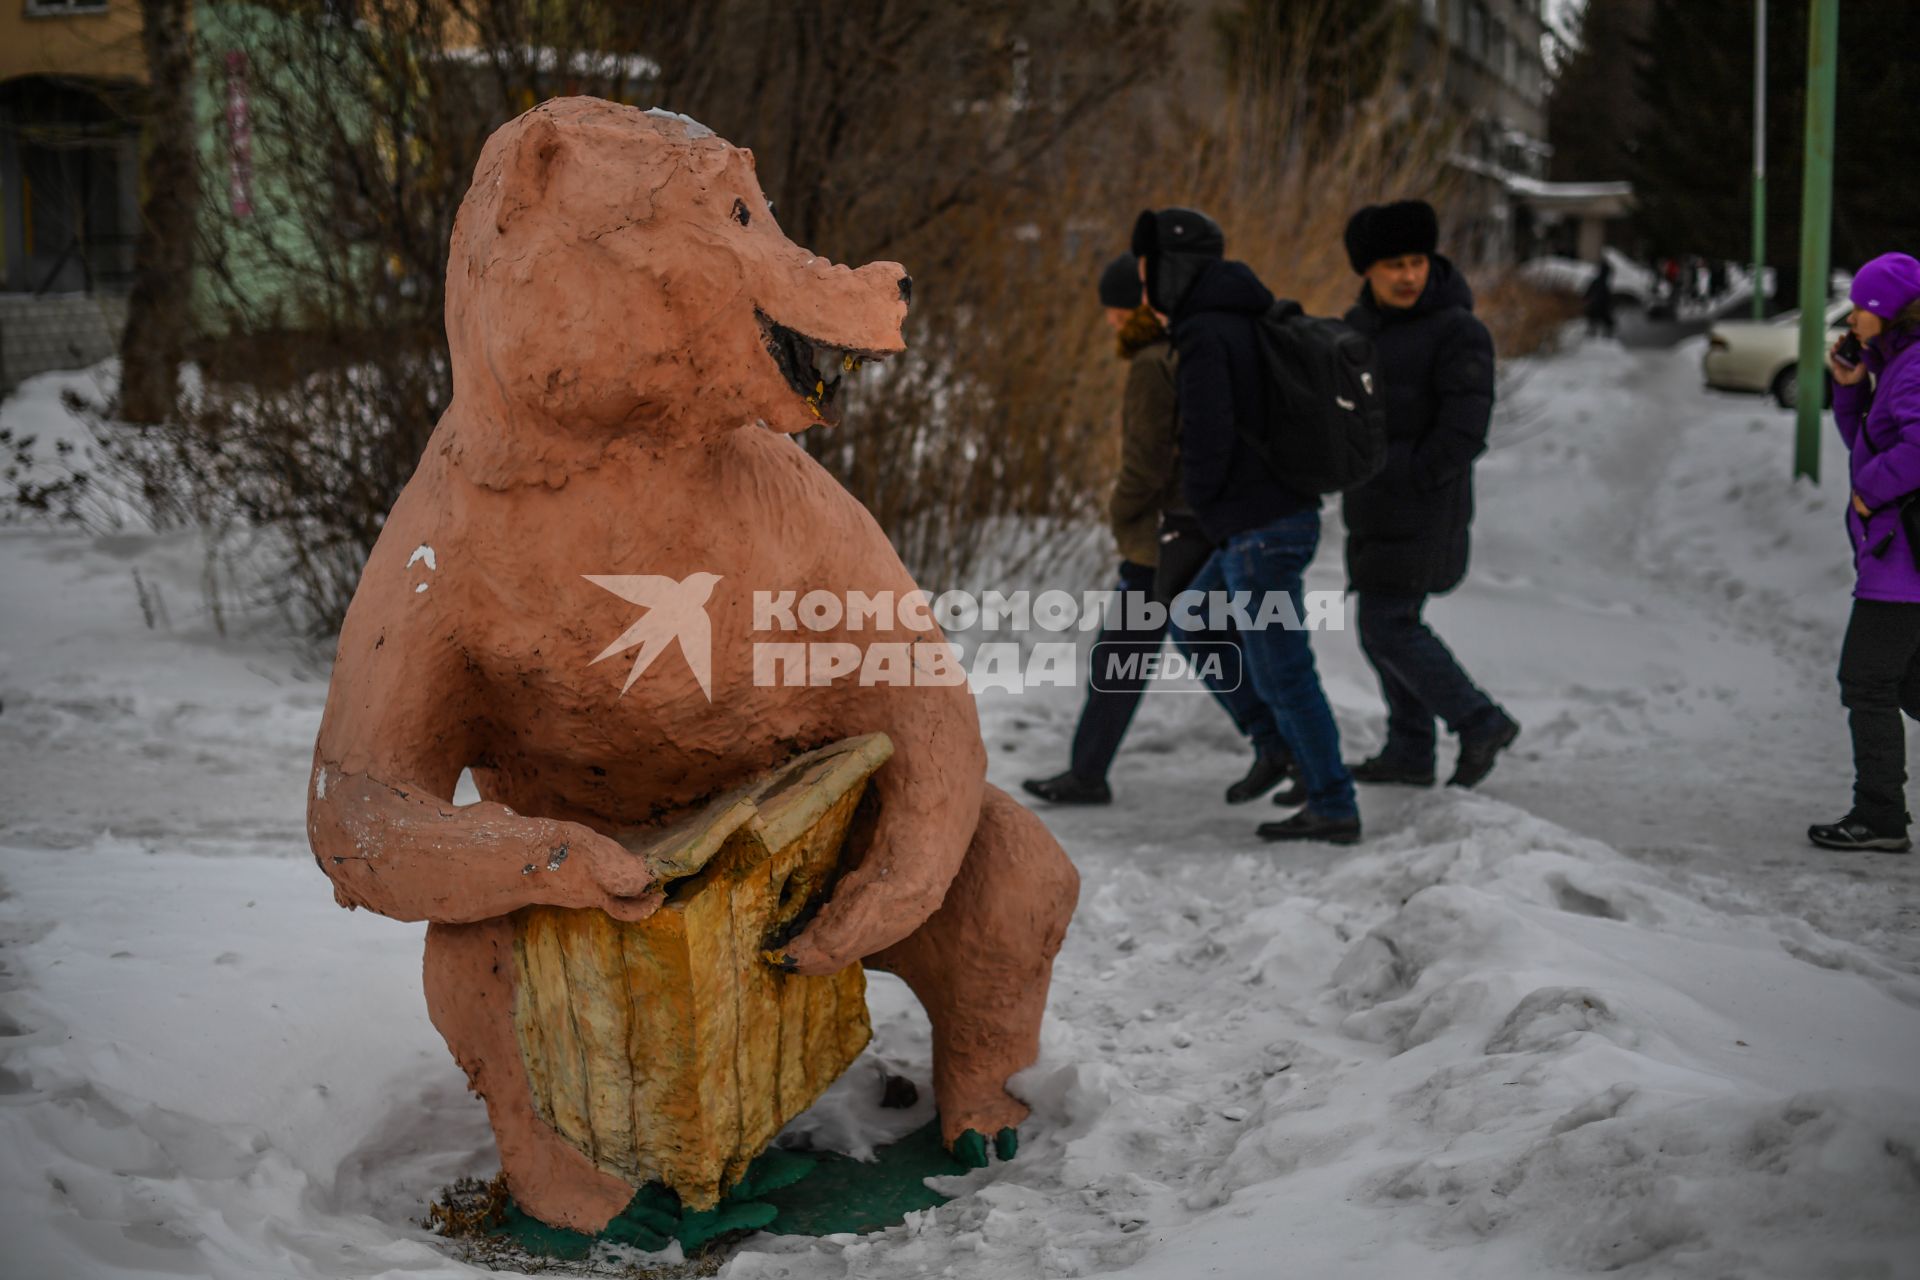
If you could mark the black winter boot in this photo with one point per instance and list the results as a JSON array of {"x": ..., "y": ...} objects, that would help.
[
  {"x": 1069, "y": 788},
  {"x": 1853, "y": 835},
  {"x": 1478, "y": 750},
  {"x": 1394, "y": 770},
  {"x": 1268, "y": 772},
  {"x": 1308, "y": 825},
  {"x": 1291, "y": 795}
]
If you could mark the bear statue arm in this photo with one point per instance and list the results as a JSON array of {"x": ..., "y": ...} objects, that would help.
[
  {"x": 400, "y": 725},
  {"x": 404, "y": 853},
  {"x": 929, "y": 797}
]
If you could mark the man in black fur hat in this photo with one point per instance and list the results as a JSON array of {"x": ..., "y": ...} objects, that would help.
[{"x": 1407, "y": 527}]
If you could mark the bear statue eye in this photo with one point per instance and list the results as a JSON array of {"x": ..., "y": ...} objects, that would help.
[{"x": 740, "y": 214}]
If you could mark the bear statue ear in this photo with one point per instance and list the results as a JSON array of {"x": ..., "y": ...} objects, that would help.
[{"x": 528, "y": 170}]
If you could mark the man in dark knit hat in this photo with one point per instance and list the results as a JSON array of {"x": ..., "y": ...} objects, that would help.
[
  {"x": 1146, "y": 498},
  {"x": 1264, "y": 533},
  {"x": 1407, "y": 527}
]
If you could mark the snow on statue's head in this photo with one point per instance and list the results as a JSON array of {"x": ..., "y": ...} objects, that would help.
[{"x": 617, "y": 272}]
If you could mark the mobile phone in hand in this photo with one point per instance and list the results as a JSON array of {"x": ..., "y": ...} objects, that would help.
[{"x": 1848, "y": 352}]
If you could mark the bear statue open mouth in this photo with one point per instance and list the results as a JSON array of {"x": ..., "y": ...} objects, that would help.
[{"x": 814, "y": 369}]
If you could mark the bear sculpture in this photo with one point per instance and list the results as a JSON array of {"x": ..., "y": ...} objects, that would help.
[{"x": 633, "y": 339}]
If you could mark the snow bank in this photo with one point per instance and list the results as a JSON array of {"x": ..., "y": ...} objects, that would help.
[
  {"x": 1483, "y": 1031},
  {"x": 1572, "y": 275},
  {"x": 1488, "y": 1032}
]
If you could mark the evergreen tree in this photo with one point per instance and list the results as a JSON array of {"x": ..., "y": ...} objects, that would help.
[
  {"x": 1692, "y": 162},
  {"x": 1595, "y": 112}
]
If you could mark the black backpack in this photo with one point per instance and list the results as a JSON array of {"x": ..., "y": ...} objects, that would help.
[{"x": 1326, "y": 427}]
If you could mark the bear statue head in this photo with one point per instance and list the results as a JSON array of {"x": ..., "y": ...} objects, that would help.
[{"x": 618, "y": 273}]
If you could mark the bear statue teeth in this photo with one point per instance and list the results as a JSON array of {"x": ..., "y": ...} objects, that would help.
[
  {"x": 828, "y": 362},
  {"x": 813, "y": 369}
]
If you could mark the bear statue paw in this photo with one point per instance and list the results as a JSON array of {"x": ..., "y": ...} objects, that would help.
[{"x": 970, "y": 1148}]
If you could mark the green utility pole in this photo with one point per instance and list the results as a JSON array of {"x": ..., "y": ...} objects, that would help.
[
  {"x": 1816, "y": 232},
  {"x": 1759, "y": 156}
]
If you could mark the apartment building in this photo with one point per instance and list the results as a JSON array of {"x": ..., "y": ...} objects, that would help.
[
  {"x": 1490, "y": 58},
  {"x": 70, "y": 71}
]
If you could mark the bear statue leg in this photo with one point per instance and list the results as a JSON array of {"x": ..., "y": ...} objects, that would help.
[
  {"x": 469, "y": 984},
  {"x": 981, "y": 964}
]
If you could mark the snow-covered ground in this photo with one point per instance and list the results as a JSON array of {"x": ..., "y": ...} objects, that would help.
[{"x": 1609, "y": 1013}]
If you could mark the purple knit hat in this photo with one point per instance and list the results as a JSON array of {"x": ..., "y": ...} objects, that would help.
[{"x": 1886, "y": 285}]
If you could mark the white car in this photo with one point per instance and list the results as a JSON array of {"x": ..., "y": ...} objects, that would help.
[{"x": 1764, "y": 355}]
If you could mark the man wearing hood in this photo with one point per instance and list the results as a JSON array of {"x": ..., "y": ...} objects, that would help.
[
  {"x": 1407, "y": 527},
  {"x": 1264, "y": 533},
  {"x": 1147, "y": 505}
]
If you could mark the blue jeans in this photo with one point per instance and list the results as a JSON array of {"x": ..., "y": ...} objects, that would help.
[
  {"x": 1279, "y": 660},
  {"x": 1112, "y": 699},
  {"x": 1250, "y": 715}
]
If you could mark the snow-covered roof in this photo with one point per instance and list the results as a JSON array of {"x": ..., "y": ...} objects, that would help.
[
  {"x": 1602, "y": 199},
  {"x": 1535, "y": 187}
]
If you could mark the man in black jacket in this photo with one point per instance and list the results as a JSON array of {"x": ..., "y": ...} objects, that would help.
[
  {"x": 1264, "y": 533},
  {"x": 1407, "y": 527},
  {"x": 1146, "y": 498}
]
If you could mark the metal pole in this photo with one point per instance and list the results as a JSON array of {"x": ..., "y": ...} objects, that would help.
[
  {"x": 1816, "y": 233},
  {"x": 1759, "y": 156}
]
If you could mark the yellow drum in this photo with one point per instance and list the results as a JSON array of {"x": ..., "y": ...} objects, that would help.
[{"x": 671, "y": 1050}]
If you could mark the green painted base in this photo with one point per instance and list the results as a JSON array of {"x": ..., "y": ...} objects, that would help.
[
  {"x": 841, "y": 1194},
  {"x": 791, "y": 1192}
]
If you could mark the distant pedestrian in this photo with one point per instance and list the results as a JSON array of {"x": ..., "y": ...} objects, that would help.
[
  {"x": 1146, "y": 505},
  {"x": 1265, "y": 533},
  {"x": 1876, "y": 405},
  {"x": 1407, "y": 528},
  {"x": 1669, "y": 288},
  {"x": 1599, "y": 301}
]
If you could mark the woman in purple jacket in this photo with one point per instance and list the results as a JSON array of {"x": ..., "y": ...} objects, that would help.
[{"x": 1876, "y": 402}]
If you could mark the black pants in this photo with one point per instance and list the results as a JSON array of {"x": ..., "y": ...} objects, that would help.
[
  {"x": 1880, "y": 678},
  {"x": 1419, "y": 677},
  {"x": 1111, "y": 701}
]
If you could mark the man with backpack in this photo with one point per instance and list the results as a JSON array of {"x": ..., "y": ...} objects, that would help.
[
  {"x": 1407, "y": 526},
  {"x": 1150, "y": 522},
  {"x": 1264, "y": 533}
]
